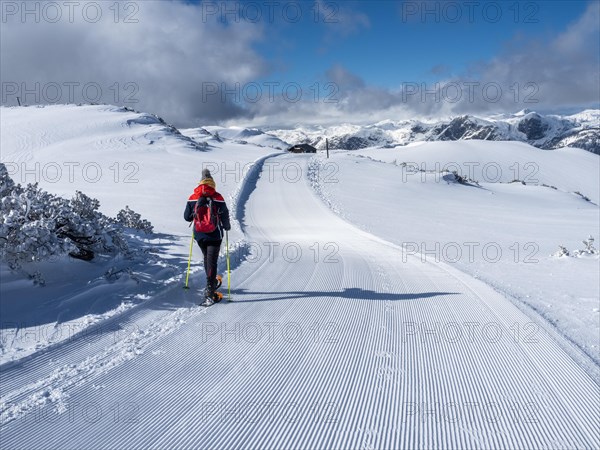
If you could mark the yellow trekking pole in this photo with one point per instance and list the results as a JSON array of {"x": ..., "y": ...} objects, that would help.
[
  {"x": 228, "y": 271},
  {"x": 187, "y": 276}
]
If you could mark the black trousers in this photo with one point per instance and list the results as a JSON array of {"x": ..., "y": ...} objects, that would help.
[{"x": 210, "y": 252}]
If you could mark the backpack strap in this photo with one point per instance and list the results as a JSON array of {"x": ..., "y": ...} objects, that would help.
[{"x": 197, "y": 205}]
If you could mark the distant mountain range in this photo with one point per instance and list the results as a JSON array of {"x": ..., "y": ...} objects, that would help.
[{"x": 581, "y": 130}]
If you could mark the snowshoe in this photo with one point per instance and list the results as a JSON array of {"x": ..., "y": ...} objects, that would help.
[
  {"x": 216, "y": 298},
  {"x": 208, "y": 301},
  {"x": 211, "y": 296},
  {"x": 209, "y": 290}
]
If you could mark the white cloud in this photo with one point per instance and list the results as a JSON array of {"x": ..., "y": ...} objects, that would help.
[
  {"x": 343, "y": 78},
  {"x": 562, "y": 73},
  {"x": 172, "y": 49},
  {"x": 565, "y": 71},
  {"x": 341, "y": 18}
]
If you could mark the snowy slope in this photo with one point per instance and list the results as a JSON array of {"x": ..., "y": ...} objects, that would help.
[
  {"x": 370, "y": 351},
  {"x": 570, "y": 169},
  {"x": 237, "y": 134},
  {"x": 120, "y": 157},
  {"x": 498, "y": 231},
  {"x": 337, "y": 337}
]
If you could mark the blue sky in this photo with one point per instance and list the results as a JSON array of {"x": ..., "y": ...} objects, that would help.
[
  {"x": 399, "y": 42},
  {"x": 370, "y": 49}
]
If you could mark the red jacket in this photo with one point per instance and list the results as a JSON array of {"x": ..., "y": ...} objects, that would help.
[{"x": 204, "y": 190}]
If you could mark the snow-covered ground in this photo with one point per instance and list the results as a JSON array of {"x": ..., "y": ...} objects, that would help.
[
  {"x": 502, "y": 232},
  {"x": 238, "y": 135},
  {"x": 345, "y": 331},
  {"x": 120, "y": 157}
]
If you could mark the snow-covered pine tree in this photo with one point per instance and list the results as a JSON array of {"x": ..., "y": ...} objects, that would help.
[
  {"x": 36, "y": 225},
  {"x": 129, "y": 218}
]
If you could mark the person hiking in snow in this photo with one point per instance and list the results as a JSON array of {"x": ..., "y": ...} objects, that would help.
[{"x": 210, "y": 216}]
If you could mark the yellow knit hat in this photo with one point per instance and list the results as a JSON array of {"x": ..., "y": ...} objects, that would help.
[
  {"x": 209, "y": 182},
  {"x": 207, "y": 179}
]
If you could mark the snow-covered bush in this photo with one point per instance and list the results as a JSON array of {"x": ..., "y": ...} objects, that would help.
[
  {"x": 589, "y": 248},
  {"x": 129, "y": 218},
  {"x": 36, "y": 225},
  {"x": 589, "y": 245},
  {"x": 587, "y": 199},
  {"x": 562, "y": 251},
  {"x": 463, "y": 179}
]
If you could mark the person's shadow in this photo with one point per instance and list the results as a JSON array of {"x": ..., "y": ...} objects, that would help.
[{"x": 347, "y": 293}]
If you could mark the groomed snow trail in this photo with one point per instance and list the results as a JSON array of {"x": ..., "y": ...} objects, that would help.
[{"x": 334, "y": 340}]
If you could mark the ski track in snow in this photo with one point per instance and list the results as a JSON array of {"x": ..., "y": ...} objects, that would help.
[{"x": 356, "y": 346}]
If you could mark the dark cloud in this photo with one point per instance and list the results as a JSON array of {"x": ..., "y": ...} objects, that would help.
[
  {"x": 192, "y": 71},
  {"x": 166, "y": 60}
]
